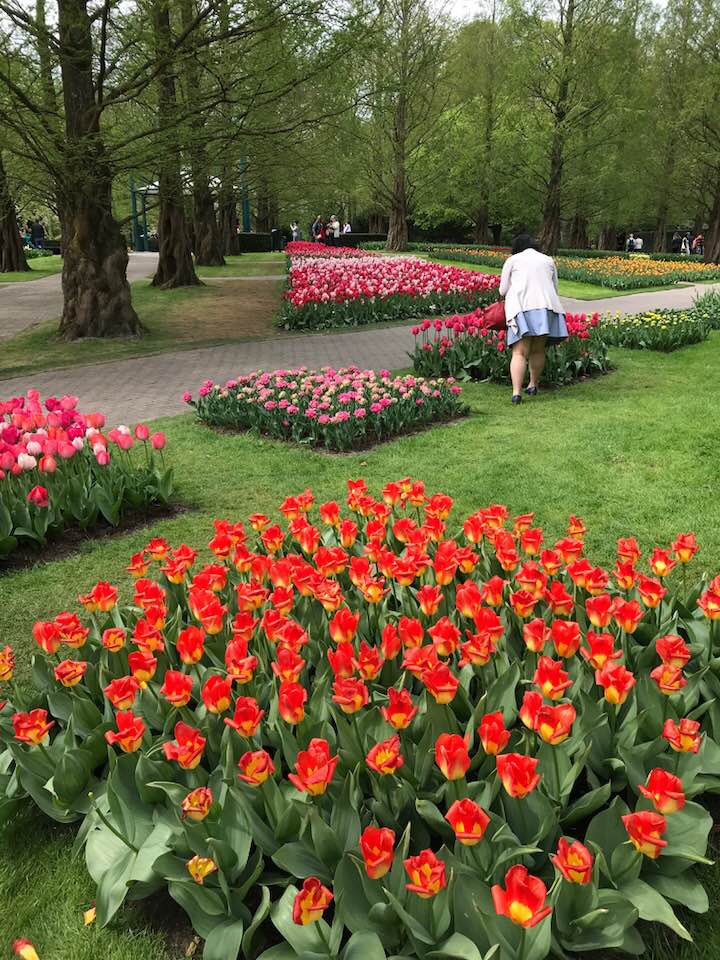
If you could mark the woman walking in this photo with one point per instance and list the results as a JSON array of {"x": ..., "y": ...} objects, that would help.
[{"x": 534, "y": 315}]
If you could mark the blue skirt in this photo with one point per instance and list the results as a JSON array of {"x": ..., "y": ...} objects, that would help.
[{"x": 537, "y": 323}]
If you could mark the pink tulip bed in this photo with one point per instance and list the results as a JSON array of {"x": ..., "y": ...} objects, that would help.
[
  {"x": 329, "y": 291},
  {"x": 371, "y": 731},
  {"x": 465, "y": 346},
  {"x": 339, "y": 410},
  {"x": 59, "y": 470},
  {"x": 304, "y": 248}
]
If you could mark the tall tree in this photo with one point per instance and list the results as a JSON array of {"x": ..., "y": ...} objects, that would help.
[{"x": 12, "y": 255}]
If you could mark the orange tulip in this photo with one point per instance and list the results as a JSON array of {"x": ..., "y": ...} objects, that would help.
[
  {"x": 536, "y": 635},
  {"x": 25, "y": 950},
  {"x": 684, "y": 737},
  {"x": 377, "y": 848},
  {"x": 672, "y": 650},
  {"x": 599, "y": 610},
  {"x": 350, "y": 695},
  {"x": 651, "y": 591},
  {"x": 369, "y": 661},
  {"x": 33, "y": 727},
  {"x": 292, "y": 698},
  {"x": 685, "y": 547},
  {"x": 551, "y": 678},
  {"x": 69, "y": 672},
  {"x": 440, "y": 682},
  {"x": 113, "y": 639},
  {"x": 246, "y": 717},
  {"x": 468, "y": 820},
  {"x": 177, "y": 688},
  {"x": 644, "y": 830},
  {"x": 7, "y": 664},
  {"x": 566, "y": 637},
  {"x": 627, "y": 614},
  {"x": 343, "y": 626},
  {"x": 102, "y": 598},
  {"x": 628, "y": 550},
  {"x": 661, "y": 563},
  {"x": 197, "y": 803},
  {"x": 554, "y": 724},
  {"x": 669, "y": 679},
  {"x": 616, "y": 681},
  {"x": 200, "y": 868},
  {"x": 445, "y": 636},
  {"x": 122, "y": 692},
  {"x": 600, "y": 649},
  {"x": 190, "y": 645},
  {"x": 523, "y": 899},
  {"x": 532, "y": 702}
]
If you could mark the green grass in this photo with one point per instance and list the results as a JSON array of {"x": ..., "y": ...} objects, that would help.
[
  {"x": 566, "y": 288},
  {"x": 632, "y": 453},
  {"x": 260, "y": 265},
  {"x": 39, "y": 267}
]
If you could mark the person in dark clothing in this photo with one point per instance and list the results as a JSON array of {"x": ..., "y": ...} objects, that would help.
[
  {"x": 37, "y": 234},
  {"x": 676, "y": 242}
]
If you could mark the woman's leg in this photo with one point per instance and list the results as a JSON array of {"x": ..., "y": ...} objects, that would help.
[
  {"x": 537, "y": 359},
  {"x": 518, "y": 364}
]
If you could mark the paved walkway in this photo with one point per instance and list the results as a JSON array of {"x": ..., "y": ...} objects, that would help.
[
  {"x": 152, "y": 386},
  {"x": 34, "y": 301}
]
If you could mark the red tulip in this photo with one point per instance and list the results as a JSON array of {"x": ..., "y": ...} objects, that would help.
[
  {"x": 292, "y": 698},
  {"x": 599, "y": 610},
  {"x": 566, "y": 637},
  {"x": 246, "y": 717},
  {"x": 385, "y": 757},
  {"x": 493, "y": 735},
  {"x": 350, "y": 695},
  {"x": 672, "y": 650},
  {"x": 551, "y": 678},
  {"x": 441, "y": 682},
  {"x": 33, "y": 727},
  {"x": 554, "y": 724},
  {"x": 685, "y": 547},
  {"x": 451, "y": 755},
  {"x": 129, "y": 734},
  {"x": 616, "y": 681},
  {"x": 187, "y": 748},
  {"x": 314, "y": 768},
  {"x": 574, "y": 861},
  {"x": 468, "y": 820},
  {"x": 644, "y": 830},
  {"x": 665, "y": 790},
  {"x": 426, "y": 873},
  {"x": 38, "y": 497},
  {"x": 517, "y": 773},
  {"x": 216, "y": 694},
  {"x": 600, "y": 649},
  {"x": 122, "y": 692},
  {"x": 311, "y": 902},
  {"x": 669, "y": 679},
  {"x": 69, "y": 672},
  {"x": 376, "y": 846},
  {"x": 256, "y": 767},
  {"x": 400, "y": 709},
  {"x": 684, "y": 737},
  {"x": 523, "y": 899},
  {"x": 197, "y": 803},
  {"x": 536, "y": 635},
  {"x": 177, "y": 688}
]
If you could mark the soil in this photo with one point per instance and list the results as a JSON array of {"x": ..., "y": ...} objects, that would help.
[
  {"x": 239, "y": 308},
  {"x": 365, "y": 447},
  {"x": 71, "y": 539}
]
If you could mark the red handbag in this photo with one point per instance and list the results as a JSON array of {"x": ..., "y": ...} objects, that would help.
[{"x": 494, "y": 315}]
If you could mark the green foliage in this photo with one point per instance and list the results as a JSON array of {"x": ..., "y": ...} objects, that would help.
[{"x": 664, "y": 330}]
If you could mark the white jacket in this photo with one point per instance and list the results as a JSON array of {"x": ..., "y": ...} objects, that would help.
[{"x": 529, "y": 281}]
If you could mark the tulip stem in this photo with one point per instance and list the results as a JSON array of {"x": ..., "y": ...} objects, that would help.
[
  {"x": 114, "y": 830},
  {"x": 324, "y": 940}
]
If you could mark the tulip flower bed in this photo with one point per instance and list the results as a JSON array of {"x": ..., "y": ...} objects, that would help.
[
  {"x": 615, "y": 271},
  {"x": 367, "y": 732},
  {"x": 325, "y": 292},
  {"x": 339, "y": 410},
  {"x": 59, "y": 471},
  {"x": 664, "y": 330},
  {"x": 464, "y": 346},
  {"x": 305, "y": 248}
]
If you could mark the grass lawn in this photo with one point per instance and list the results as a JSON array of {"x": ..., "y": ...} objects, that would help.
[
  {"x": 567, "y": 288},
  {"x": 39, "y": 267},
  {"x": 632, "y": 453}
]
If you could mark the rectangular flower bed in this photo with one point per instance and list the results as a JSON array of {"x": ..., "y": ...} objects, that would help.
[
  {"x": 306, "y": 248},
  {"x": 343, "y": 409},
  {"x": 615, "y": 271},
  {"x": 664, "y": 330},
  {"x": 327, "y": 292},
  {"x": 371, "y": 731},
  {"x": 59, "y": 470},
  {"x": 464, "y": 346}
]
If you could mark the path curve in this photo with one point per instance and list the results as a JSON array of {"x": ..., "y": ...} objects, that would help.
[{"x": 147, "y": 387}]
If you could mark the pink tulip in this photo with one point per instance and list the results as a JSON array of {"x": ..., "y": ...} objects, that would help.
[{"x": 158, "y": 440}]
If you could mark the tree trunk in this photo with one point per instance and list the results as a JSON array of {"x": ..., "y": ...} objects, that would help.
[
  {"x": 12, "y": 255},
  {"x": 50, "y": 101},
  {"x": 712, "y": 240},
  {"x": 579, "y": 232},
  {"x": 607, "y": 239},
  {"x": 397, "y": 237},
  {"x": 228, "y": 217},
  {"x": 207, "y": 240},
  {"x": 550, "y": 232},
  {"x": 96, "y": 294},
  {"x": 481, "y": 228},
  {"x": 175, "y": 265}
]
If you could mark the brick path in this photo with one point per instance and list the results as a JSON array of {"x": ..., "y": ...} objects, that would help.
[{"x": 152, "y": 386}]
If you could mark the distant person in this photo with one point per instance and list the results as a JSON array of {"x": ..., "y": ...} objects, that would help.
[
  {"x": 316, "y": 229},
  {"x": 334, "y": 229},
  {"x": 676, "y": 243},
  {"x": 347, "y": 228},
  {"x": 533, "y": 312},
  {"x": 685, "y": 246},
  {"x": 38, "y": 235},
  {"x": 630, "y": 244},
  {"x": 698, "y": 245},
  {"x": 638, "y": 244},
  {"x": 294, "y": 231}
]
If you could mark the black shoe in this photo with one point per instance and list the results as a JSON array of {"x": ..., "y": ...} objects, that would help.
[
  {"x": 517, "y": 398},
  {"x": 531, "y": 391}
]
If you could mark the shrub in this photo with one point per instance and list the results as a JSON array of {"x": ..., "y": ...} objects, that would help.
[
  {"x": 665, "y": 330},
  {"x": 449, "y": 744},
  {"x": 59, "y": 471},
  {"x": 337, "y": 409},
  {"x": 326, "y": 292},
  {"x": 32, "y": 253},
  {"x": 464, "y": 346},
  {"x": 707, "y": 307}
]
